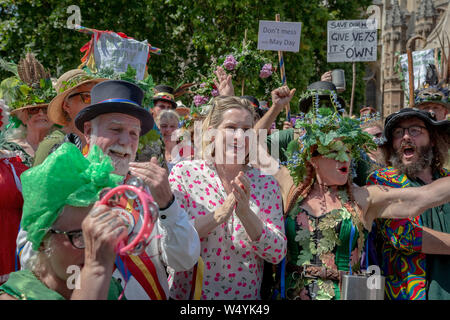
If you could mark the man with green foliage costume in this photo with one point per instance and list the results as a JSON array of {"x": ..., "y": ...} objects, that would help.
[{"x": 66, "y": 230}]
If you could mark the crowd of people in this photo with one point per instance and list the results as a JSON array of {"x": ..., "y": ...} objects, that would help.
[{"x": 242, "y": 214}]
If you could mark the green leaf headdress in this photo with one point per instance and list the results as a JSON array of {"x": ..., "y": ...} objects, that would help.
[
  {"x": 66, "y": 177},
  {"x": 30, "y": 86},
  {"x": 330, "y": 134}
]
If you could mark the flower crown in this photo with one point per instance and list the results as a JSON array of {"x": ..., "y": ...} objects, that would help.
[{"x": 328, "y": 133}]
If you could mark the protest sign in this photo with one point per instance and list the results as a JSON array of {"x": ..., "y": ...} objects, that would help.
[
  {"x": 421, "y": 59},
  {"x": 351, "y": 41},
  {"x": 279, "y": 36}
]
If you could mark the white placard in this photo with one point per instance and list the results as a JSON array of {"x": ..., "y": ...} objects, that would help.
[
  {"x": 113, "y": 51},
  {"x": 421, "y": 59},
  {"x": 279, "y": 36},
  {"x": 352, "y": 40}
]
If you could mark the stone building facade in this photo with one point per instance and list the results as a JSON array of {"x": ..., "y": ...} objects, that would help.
[{"x": 401, "y": 20}]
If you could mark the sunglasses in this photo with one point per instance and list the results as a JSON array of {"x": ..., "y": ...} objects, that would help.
[
  {"x": 36, "y": 110},
  {"x": 75, "y": 237},
  {"x": 85, "y": 96}
]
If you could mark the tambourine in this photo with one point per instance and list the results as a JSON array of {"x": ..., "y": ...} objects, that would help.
[{"x": 138, "y": 209}]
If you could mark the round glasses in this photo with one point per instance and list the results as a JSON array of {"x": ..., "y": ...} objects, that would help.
[
  {"x": 75, "y": 237},
  {"x": 413, "y": 131},
  {"x": 85, "y": 96}
]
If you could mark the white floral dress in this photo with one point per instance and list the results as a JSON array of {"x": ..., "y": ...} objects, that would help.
[{"x": 233, "y": 263}]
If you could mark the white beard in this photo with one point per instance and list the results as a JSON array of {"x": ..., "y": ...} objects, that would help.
[{"x": 121, "y": 164}]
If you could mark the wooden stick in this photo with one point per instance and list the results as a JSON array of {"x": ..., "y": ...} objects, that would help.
[
  {"x": 353, "y": 87},
  {"x": 243, "y": 45},
  {"x": 283, "y": 73},
  {"x": 411, "y": 68}
]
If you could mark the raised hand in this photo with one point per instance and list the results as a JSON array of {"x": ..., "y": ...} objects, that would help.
[
  {"x": 224, "y": 212},
  {"x": 156, "y": 178},
  {"x": 241, "y": 191},
  {"x": 102, "y": 229},
  {"x": 225, "y": 83},
  {"x": 326, "y": 76},
  {"x": 281, "y": 97}
]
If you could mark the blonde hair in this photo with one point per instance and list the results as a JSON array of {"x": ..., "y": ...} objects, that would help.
[
  {"x": 167, "y": 114},
  {"x": 214, "y": 117}
]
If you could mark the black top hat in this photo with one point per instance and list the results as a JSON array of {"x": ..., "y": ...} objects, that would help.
[
  {"x": 164, "y": 93},
  {"x": 163, "y": 88},
  {"x": 321, "y": 88},
  {"x": 443, "y": 126},
  {"x": 116, "y": 96}
]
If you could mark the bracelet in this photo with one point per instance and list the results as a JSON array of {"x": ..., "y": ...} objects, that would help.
[{"x": 169, "y": 204}]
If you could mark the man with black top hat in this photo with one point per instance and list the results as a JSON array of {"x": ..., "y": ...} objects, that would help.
[
  {"x": 415, "y": 253},
  {"x": 114, "y": 121}
]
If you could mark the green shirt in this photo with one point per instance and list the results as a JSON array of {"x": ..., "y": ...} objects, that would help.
[
  {"x": 24, "y": 285},
  {"x": 283, "y": 137},
  {"x": 46, "y": 145},
  {"x": 438, "y": 266}
]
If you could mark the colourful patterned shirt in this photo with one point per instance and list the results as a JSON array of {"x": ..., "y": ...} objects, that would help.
[{"x": 403, "y": 264}]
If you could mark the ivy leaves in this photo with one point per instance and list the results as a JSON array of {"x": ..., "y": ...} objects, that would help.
[{"x": 335, "y": 136}]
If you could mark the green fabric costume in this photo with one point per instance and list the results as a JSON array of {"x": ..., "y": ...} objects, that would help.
[
  {"x": 24, "y": 285},
  {"x": 66, "y": 177},
  {"x": 321, "y": 241},
  {"x": 283, "y": 137}
]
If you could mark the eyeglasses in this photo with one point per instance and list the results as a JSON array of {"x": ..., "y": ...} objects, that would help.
[
  {"x": 85, "y": 96},
  {"x": 36, "y": 110},
  {"x": 413, "y": 131},
  {"x": 75, "y": 237}
]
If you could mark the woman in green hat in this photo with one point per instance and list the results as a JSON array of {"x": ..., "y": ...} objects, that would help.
[{"x": 76, "y": 239}]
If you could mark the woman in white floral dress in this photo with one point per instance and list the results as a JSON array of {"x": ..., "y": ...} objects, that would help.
[{"x": 236, "y": 209}]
